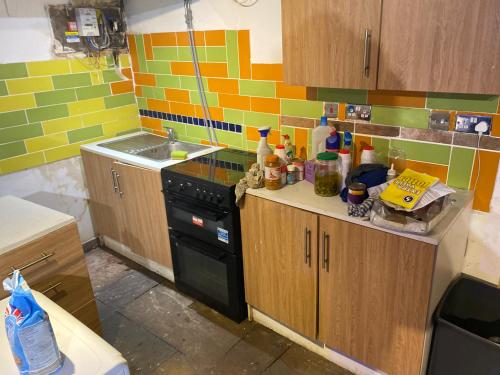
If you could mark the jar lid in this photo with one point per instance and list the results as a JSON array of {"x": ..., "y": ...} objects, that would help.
[
  {"x": 344, "y": 151},
  {"x": 327, "y": 156},
  {"x": 272, "y": 158},
  {"x": 279, "y": 147},
  {"x": 369, "y": 148}
]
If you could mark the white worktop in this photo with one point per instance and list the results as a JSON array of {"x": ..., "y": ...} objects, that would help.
[
  {"x": 301, "y": 195},
  {"x": 22, "y": 221},
  {"x": 139, "y": 160}
]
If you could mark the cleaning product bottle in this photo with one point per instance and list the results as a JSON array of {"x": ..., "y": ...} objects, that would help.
[
  {"x": 263, "y": 148},
  {"x": 280, "y": 152},
  {"x": 391, "y": 173},
  {"x": 319, "y": 135},
  {"x": 345, "y": 165},
  {"x": 348, "y": 141},
  {"x": 288, "y": 147},
  {"x": 333, "y": 142}
]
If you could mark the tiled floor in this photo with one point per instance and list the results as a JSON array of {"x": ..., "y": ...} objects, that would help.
[{"x": 160, "y": 331}]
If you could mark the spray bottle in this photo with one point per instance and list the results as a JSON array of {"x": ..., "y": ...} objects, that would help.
[
  {"x": 263, "y": 148},
  {"x": 288, "y": 147}
]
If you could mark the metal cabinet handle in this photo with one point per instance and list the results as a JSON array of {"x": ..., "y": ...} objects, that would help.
[
  {"x": 42, "y": 258},
  {"x": 366, "y": 57},
  {"x": 307, "y": 246},
  {"x": 118, "y": 185},
  {"x": 51, "y": 287},
  {"x": 113, "y": 178},
  {"x": 325, "y": 264}
]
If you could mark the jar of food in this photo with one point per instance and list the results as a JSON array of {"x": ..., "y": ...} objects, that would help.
[
  {"x": 272, "y": 172},
  {"x": 326, "y": 174},
  {"x": 291, "y": 175},
  {"x": 356, "y": 193},
  {"x": 299, "y": 165}
]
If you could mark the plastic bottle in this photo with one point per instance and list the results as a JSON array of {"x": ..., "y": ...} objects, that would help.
[
  {"x": 348, "y": 141},
  {"x": 391, "y": 173},
  {"x": 280, "y": 152},
  {"x": 319, "y": 135},
  {"x": 332, "y": 143},
  {"x": 368, "y": 155},
  {"x": 288, "y": 147},
  {"x": 263, "y": 148},
  {"x": 345, "y": 165}
]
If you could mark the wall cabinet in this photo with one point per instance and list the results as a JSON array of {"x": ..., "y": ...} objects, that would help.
[
  {"x": 437, "y": 46},
  {"x": 127, "y": 205}
]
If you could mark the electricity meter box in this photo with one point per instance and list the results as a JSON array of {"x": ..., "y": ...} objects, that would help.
[{"x": 86, "y": 21}]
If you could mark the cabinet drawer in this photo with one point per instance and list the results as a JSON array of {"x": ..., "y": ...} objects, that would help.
[
  {"x": 42, "y": 258},
  {"x": 89, "y": 316}
]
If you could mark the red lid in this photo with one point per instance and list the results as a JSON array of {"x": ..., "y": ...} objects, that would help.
[
  {"x": 280, "y": 147},
  {"x": 369, "y": 148},
  {"x": 344, "y": 151},
  {"x": 333, "y": 132}
]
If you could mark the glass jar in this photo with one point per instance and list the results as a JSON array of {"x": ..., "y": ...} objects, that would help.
[
  {"x": 272, "y": 172},
  {"x": 326, "y": 174},
  {"x": 397, "y": 156}
]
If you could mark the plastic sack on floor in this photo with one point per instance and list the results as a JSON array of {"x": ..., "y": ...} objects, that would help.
[{"x": 29, "y": 331}]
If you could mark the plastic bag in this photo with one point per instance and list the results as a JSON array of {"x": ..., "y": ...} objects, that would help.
[{"x": 29, "y": 331}]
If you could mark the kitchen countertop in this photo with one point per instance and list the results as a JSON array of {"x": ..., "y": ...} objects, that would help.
[
  {"x": 301, "y": 195},
  {"x": 139, "y": 161},
  {"x": 23, "y": 221}
]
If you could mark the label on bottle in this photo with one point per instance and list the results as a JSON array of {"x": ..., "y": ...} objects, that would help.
[{"x": 272, "y": 173}]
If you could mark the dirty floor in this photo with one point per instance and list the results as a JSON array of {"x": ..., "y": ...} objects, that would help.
[{"x": 161, "y": 331}]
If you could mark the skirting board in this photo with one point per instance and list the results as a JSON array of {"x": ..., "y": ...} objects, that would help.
[
  {"x": 331, "y": 355},
  {"x": 147, "y": 263}
]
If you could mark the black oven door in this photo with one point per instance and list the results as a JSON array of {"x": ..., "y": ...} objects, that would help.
[
  {"x": 209, "y": 274},
  {"x": 216, "y": 227}
]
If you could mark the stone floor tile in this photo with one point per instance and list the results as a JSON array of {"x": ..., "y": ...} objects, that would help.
[{"x": 104, "y": 268}]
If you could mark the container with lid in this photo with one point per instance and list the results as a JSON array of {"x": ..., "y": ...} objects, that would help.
[
  {"x": 299, "y": 165},
  {"x": 345, "y": 166},
  {"x": 333, "y": 142},
  {"x": 319, "y": 135},
  {"x": 280, "y": 151},
  {"x": 272, "y": 172},
  {"x": 326, "y": 174},
  {"x": 356, "y": 193},
  {"x": 368, "y": 155}
]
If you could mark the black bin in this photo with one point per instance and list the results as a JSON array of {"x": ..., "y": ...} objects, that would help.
[{"x": 466, "y": 337}]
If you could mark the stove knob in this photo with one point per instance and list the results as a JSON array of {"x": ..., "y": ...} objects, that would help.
[
  {"x": 170, "y": 183},
  {"x": 181, "y": 187},
  {"x": 198, "y": 191},
  {"x": 219, "y": 198},
  {"x": 211, "y": 198}
]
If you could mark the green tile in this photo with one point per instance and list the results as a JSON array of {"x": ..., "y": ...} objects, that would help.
[
  {"x": 407, "y": 117},
  {"x": 342, "y": 95},
  {"x": 189, "y": 83},
  {"x": 463, "y": 102},
  {"x": 90, "y": 92},
  {"x": 232, "y": 139},
  {"x": 426, "y": 152},
  {"x": 18, "y": 133},
  {"x": 111, "y": 75},
  {"x": 119, "y": 100},
  {"x": 216, "y": 54},
  {"x": 234, "y": 116},
  {"x": 47, "y": 113},
  {"x": 12, "y": 118},
  {"x": 233, "y": 66},
  {"x": 55, "y": 97},
  {"x": 179, "y": 128},
  {"x": 79, "y": 135},
  {"x": 15, "y": 70},
  {"x": 258, "y": 119},
  {"x": 153, "y": 92},
  {"x": 184, "y": 54},
  {"x": 212, "y": 98},
  {"x": 167, "y": 80},
  {"x": 3, "y": 88},
  {"x": 301, "y": 108},
  {"x": 141, "y": 54},
  {"x": 142, "y": 103},
  {"x": 165, "y": 53},
  {"x": 194, "y": 131},
  {"x": 258, "y": 88},
  {"x": 381, "y": 149},
  {"x": 159, "y": 67},
  {"x": 71, "y": 80},
  {"x": 9, "y": 150},
  {"x": 460, "y": 169}
]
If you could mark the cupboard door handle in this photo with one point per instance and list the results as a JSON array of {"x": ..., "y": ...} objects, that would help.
[
  {"x": 113, "y": 178},
  {"x": 51, "y": 287},
  {"x": 118, "y": 185},
  {"x": 41, "y": 259},
  {"x": 323, "y": 264},
  {"x": 307, "y": 247},
  {"x": 366, "y": 58},
  {"x": 327, "y": 253}
]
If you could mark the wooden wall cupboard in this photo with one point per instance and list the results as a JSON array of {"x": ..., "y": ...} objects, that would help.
[
  {"x": 437, "y": 46},
  {"x": 127, "y": 205},
  {"x": 367, "y": 294}
]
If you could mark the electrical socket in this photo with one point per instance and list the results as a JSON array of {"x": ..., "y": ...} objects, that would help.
[
  {"x": 358, "y": 112},
  {"x": 439, "y": 120},
  {"x": 467, "y": 123},
  {"x": 332, "y": 110}
]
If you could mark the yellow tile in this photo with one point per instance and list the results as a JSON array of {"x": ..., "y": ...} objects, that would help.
[
  {"x": 83, "y": 65},
  {"x": 47, "y": 68},
  {"x": 19, "y": 163},
  {"x": 61, "y": 124},
  {"x": 33, "y": 84},
  {"x": 96, "y": 78},
  {"x": 62, "y": 152},
  {"x": 16, "y": 102},
  {"x": 46, "y": 142},
  {"x": 99, "y": 117},
  {"x": 124, "y": 60},
  {"x": 86, "y": 106},
  {"x": 113, "y": 128}
]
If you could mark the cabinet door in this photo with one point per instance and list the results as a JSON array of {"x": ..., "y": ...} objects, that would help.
[
  {"x": 280, "y": 262},
  {"x": 104, "y": 199},
  {"x": 145, "y": 217},
  {"x": 440, "y": 45},
  {"x": 373, "y": 295},
  {"x": 331, "y": 43}
]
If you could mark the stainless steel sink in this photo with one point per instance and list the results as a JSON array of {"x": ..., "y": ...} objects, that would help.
[{"x": 151, "y": 146}]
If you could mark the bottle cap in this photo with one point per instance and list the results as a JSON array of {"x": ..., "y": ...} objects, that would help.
[
  {"x": 347, "y": 138},
  {"x": 368, "y": 148},
  {"x": 333, "y": 133},
  {"x": 264, "y": 131},
  {"x": 286, "y": 136},
  {"x": 324, "y": 121},
  {"x": 344, "y": 151},
  {"x": 327, "y": 156},
  {"x": 280, "y": 147}
]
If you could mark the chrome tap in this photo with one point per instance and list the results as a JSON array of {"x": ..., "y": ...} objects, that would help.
[{"x": 170, "y": 135}]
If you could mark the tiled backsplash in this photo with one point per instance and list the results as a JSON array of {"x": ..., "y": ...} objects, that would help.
[
  {"x": 49, "y": 108},
  {"x": 253, "y": 95}
]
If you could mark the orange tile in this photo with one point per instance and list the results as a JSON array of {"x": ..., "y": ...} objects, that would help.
[
  {"x": 312, "y": 93},
  {"x": 300, "y": 140},
  {"x": 148, "y": 48},
  {"x": 121, "y": 87},
  {"x": 160, "y": 132},
  {"x": 133, "y": 52},
  {"x": 225, "y": 86},
  {"x": 267, "y": 105},
  {"x": 205, "y": 142},
  {"x": 127, "y": 72},
  {"x": 495, "y": 125},
  {"x": 216, "y": 113},
  {"x": 254, "y": 135},
  {"x": 163, "y": 39},
  {"x": 177, "y": 95},
  {"x": 183, "y": 38},
  {"x": 215, "y": 38},
  {"x": 244, "y": 53},
  {"x": 359, "y": 142},
  {"x": 341, "y": 115},
  {"x": 158, "y": 105},
  {"x": 182, "y": 109},
  {"x": 291, "y": 92},
  {"x": 144, "y": 79},
  {"x": 436, "y": 170},
  {"x": 138, "y": 91},
  {"x": 213, "y": 69},
  {"x": 151, "y": 123},
  {"x": 182, "y": 68},
  {"x": 234, "y": 101},
  {"x": 397, "y": 98},
  {"x": 486, "y": 181},
  {"x": 269, "y": 72}
]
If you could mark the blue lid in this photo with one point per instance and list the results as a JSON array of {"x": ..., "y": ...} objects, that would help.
[
  {"x": 347, "y": 138},
  {"x": 324, "y": 121},
  {"x": 264, "y": 131}
]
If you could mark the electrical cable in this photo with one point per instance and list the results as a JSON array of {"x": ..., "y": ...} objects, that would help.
[
  {"x": 246, "y": 3},
  {"x": 478, "y": 160}
]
